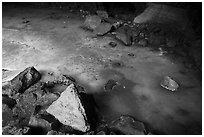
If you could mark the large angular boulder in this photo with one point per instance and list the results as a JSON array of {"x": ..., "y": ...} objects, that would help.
[
  {"x": 92, "y": 22},
  {"x": 127, "y": 125},
  {"x": 169, "y": 83},
  {"x": 24, "y": 80},
  {"x": 72, "y": 109}
]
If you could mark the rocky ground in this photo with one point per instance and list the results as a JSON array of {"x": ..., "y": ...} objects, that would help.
[{"x": 77, "y": 72}]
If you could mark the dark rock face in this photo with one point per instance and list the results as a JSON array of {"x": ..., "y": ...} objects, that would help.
[
  {"x": 69, "y": 109},
  {"x": 24, "y": 80},
  {"x": 127, "y": 125}
]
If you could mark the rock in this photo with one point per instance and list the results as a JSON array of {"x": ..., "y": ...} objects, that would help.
[
  {"x": 127, "y": 125},
  {"x": 102, "y": 14},
  {"x": 70, "y": 109},
  {"x": 53, "y": 132},
  {"x": 12, "y": 130},
  {"x": 169, "y": 83},
  {"x": 92, "y": 22},
  {"x": 143, "y": 42},
  {"x": 110, "y": 85},
  {"x": 24, "y": 80},
  {"x": 170, "y": 43},
  {"x": 38, "y": 122},
  {"x": 64, "y": 79},
  {"x": 124, "y": 35},
  {"x": 102, "y": 29},
  {"x": 162, "y": 13},
  {"x": 101, "y": 133},
  {"x": 113, "y": 44}
]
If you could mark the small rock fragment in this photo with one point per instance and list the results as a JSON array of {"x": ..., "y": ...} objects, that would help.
[
  {"x": 102, "y": 29},
  {"x": 38, "y": 122},
  {"x": 127, "y": 125},
  {"x": 110, "y": 85},
  {"x": 102, "y": 14},
  {"x": 92, "y": 22},
  {"x": 12, "y": 130},
  {"x": 24, "y": 80},
  {"x": 113, "y": 44},
  {"x": 169, "y": 83},
  {"x": 143, "y": 42}
]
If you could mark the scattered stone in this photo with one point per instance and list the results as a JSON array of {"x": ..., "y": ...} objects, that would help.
[
  {"x": 92, "y": 22},
  {"x": 64, "y": 79},
  {"x": 89, "y": 133},
  {"x": 127, "y": 125},
  {"x": 24, "y": 80},
  {"x": 26, "y": 21},
  {"x": 143, "y": 42},
  {"x": 113, "y": 44},
  {"x": 102, "y": 14},
  {"x": 69, "y": 109},
  {"x": 102, "y": 29},
  {"x": 169, "y": 83},
  {"x": 110, "y": 85},
  {"x": 117, "y": 24}
]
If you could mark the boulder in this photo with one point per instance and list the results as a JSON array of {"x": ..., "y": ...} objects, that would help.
[
  {"x": 102, "y": 14},
  {"x": 24, "y": 80},
  {"x": 102, "y": 29},
  {"x": 161, "y": 13},
  {"x": 71, "y": 109},
  {"x": 127, "y": 125},
  {"x": 124, "y": 35},
  {"x": 92, "y": 22},
  {"x": 113, "y": 44},
  {"x": 169, "y": 83}
]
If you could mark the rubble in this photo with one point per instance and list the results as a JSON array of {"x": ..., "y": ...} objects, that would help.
[{"x": 169, "y": 83}]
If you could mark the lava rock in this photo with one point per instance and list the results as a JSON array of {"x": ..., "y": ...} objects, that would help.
[
  {"x": 70, "y": 109},
  {"x": 169, "y": 83},
  {"x": 102, "y": 29},
  {"x": 92, "y": 22},
  {"x": 113, "y": 44},
  {"x": 110, "y": 85},
  {"x": 102, "y": 14},
  {"x": 127, "y": 125},
  {"x": 24, "y": 80}
]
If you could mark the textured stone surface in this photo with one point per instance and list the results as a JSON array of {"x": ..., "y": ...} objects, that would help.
[
  {"x": 92, "y": 22},
  {"x": 68, "y": 109},
  {"x": 24, "y": 80}
]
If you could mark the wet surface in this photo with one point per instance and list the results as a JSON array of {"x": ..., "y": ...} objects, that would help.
[{"x": 92, "y": 62}]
